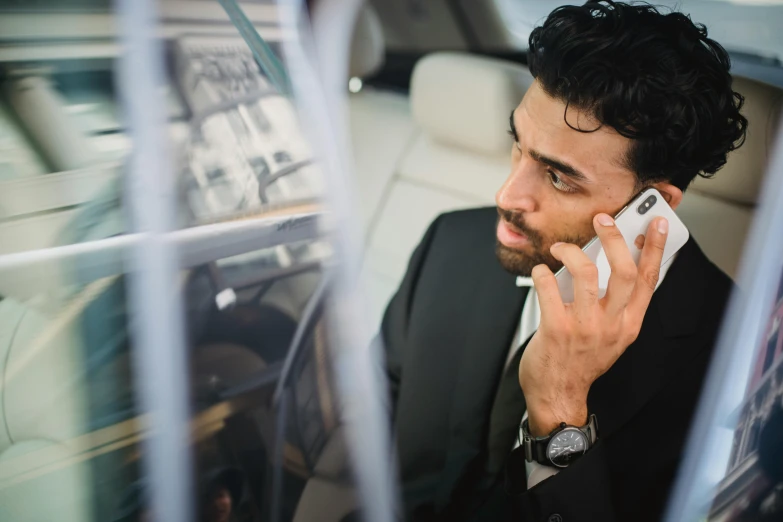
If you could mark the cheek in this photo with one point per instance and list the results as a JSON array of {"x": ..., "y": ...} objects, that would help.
[
  {"x": 569, "y": 225},
  {"x": 612, "y": 196},
  {"x": 577, "y": 213}
]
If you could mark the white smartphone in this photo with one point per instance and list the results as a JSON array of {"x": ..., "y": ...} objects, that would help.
[{"x": 632, "y": 221}]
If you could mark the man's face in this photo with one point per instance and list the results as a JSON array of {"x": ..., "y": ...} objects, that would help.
[{"x": 560, "y": 179}]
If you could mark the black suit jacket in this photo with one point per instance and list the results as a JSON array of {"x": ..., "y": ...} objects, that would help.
[{"x": 447, "y": 332}]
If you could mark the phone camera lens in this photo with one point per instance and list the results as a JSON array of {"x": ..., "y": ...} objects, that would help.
[{"x": 646, "y": 205}]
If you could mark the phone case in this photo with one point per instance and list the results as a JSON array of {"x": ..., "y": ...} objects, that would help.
[{"x": 631, "y": 223}]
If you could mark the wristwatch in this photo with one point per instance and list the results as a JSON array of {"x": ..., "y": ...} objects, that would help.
[{"x": 561, "y": 447}]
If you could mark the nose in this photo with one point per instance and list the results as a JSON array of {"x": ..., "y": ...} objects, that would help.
[{"x": 518, "y": 192}]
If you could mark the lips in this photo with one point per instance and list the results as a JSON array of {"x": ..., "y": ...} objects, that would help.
[{"x": 510, "y": 236}]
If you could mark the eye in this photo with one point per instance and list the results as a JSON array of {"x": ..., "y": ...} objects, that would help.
[{"x": 558, "y": 183}]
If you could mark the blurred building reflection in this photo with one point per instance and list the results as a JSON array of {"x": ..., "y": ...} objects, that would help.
[
  {"x": 746, "y": 485},
  {"x": 251, "y": 264}
]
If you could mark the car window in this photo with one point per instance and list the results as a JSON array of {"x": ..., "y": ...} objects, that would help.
[
  {"x": 732, "y": 469},
  {"x": 165, "y": 276}
]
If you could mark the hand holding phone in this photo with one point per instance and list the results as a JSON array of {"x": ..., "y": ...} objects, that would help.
[
  {"x": 632, "y": 221},
  {"x": 577, "y": 343}
]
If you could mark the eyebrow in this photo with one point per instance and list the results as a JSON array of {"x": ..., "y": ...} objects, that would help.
[{"x": 563, "y": 168}]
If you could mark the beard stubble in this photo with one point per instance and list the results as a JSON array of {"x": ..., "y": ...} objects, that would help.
[{"x": 521, "y": 263}]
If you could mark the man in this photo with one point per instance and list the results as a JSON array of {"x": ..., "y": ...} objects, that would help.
[{"x": 625, "y": 98}]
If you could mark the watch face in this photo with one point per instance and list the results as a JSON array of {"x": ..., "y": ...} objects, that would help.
[{"x": 566, "y": 447}]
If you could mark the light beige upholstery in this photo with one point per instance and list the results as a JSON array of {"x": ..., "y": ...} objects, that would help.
[
  {"x": 465, "y": 101},
  {"x": 367, "y": 46},
  {"x": 458, "y": 159},
  {"x": 739, "y": 180},
  {"x": 719, "y": 211},
  {"x": 380, "y": 124},
  {"x": 381, "y": 130},
  {"x": 458, "y": 171},
  {"x": 450, "y": 150}
]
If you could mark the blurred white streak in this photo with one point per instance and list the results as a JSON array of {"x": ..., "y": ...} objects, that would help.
[
  {"x": 319, "y": 70},
  {"x": 157, "y": 316},
  {"x": 25, "y": 274}
]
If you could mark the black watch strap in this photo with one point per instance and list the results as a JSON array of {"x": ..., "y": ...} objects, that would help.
[{"x": 535, "y": 448}]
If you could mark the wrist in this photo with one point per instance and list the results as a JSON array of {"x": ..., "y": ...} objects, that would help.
[{"x": 543, "y": 419}]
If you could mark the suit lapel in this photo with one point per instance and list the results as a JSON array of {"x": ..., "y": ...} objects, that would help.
[
  {"x": 664, "y": 344},
  {"x": 489, "y": 329}
]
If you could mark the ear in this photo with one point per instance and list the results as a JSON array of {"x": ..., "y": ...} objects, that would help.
[{"x": 670, "y": 193}]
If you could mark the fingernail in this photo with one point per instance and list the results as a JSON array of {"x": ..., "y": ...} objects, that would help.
[
  {"x": 663, "y": 226},
  {"x": 556, "y": 244},
  {"x": 605, "y": 220}
]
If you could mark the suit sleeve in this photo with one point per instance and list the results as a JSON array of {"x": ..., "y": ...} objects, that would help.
[
  {"x": 394, "y": 328},
  {"x": 627, "y": 475}
]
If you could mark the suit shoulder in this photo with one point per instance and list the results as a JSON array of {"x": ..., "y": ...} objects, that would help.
[
  {"x": 720, "y": 283},
  {"x": 470, "y": 216},
  {"x": 716, "y": 288},
  {"x": 484, "y": 213},
  {"x": 467, "y": 234},
  {"x": 470, "y": 225}
]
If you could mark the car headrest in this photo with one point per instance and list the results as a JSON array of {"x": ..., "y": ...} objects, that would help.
[
  {"x": 367, "y": 44},
  {"x": 466, "y": 100},
  {"x": 739, "y": 180}
]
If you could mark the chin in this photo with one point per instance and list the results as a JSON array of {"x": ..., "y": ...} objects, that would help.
[
  {"x": 514, "y": 261},
  {"x": 520, "y": 263}
]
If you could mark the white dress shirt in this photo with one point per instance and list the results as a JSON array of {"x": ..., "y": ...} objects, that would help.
[{"x": 528, "y": 324}]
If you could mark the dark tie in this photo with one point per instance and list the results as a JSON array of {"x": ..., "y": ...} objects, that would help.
[{"x": 506, "y": 415}]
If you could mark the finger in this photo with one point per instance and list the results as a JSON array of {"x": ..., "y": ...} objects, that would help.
[
  {"x": 623, "y": 269},
  {"x": 585, "y": 275},
  {"x": 549, "y": 300},
  {"x": 649, "y": 266},
  {"x": 639, "y": 242}
]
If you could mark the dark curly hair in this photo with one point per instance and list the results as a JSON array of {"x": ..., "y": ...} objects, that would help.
[{"x": 655, "y": 78}]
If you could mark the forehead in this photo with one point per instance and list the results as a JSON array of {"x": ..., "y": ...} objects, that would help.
[{"x": 541, "y": 123}]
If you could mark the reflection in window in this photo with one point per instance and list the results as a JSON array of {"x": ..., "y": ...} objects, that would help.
[
  {"x": 18, "y": 158},
  {"x": 735, "y": 446},
  {"x": 753, "y": 438},
  {"x": 769, "y": 356},
  {"x": 242, "y": 126},
  {"x": 70, "y": 434}
]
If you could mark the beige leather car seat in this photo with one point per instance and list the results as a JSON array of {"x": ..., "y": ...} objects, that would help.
[
  {"x": 379, "y": 120},
  {"x": 457, "y": 157},
  {"x": 719, "y": 211}
]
